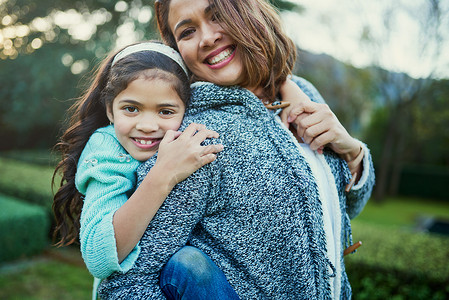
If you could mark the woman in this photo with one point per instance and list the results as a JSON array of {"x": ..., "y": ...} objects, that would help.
[{"x": 271, "y": 211}]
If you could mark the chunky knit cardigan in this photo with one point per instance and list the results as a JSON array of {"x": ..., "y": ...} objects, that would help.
[{"x": 255, "y": 210}]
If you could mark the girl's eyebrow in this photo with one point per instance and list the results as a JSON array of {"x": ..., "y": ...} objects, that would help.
[
  {"x": 167, "y": 105},
  {"x": 137, "y": 103},
  {"x": 130, "y": 101},
  {"x": 186, "y": 21}
]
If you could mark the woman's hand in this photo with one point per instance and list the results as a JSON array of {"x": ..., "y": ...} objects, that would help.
[
  {"x": 181, "y": 154},
  {"x": 315, "y": 123}
]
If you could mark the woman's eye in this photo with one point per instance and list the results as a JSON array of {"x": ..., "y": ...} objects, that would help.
[
  {"x": 131, "y": 109},
  {"x": 185, "y": 33},
  {"x": 215, "y": 17}
]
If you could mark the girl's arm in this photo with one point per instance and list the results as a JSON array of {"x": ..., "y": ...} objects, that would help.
[{"x": 177, "y": 159}]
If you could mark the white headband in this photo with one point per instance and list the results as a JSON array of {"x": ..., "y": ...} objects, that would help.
[{"x": 149, "y": 46}]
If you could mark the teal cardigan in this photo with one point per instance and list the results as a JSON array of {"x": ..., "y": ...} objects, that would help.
[{"x": 106, "y": 176}]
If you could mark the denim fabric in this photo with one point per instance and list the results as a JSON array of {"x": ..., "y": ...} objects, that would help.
[{"x": 191, "y": 274}]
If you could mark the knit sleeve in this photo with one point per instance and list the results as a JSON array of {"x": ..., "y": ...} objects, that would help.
[
  {"x": 106, "y": 176},
  {"x": 360, "y": 193},
  {"x": 181, "y": 212}
]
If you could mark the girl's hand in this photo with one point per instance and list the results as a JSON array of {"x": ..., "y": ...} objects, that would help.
[{"x": 181, "y": 154}]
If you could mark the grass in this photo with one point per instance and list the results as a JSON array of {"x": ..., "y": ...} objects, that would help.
[
  {"x": 401, "y": 212},
  {"x": 57, "y": 274}
]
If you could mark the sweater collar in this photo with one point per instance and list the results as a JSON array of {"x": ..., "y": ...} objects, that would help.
[{"x": 206, "y": 95}]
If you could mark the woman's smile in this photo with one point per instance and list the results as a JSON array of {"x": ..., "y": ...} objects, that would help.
[{"x": 221, "y": 59}]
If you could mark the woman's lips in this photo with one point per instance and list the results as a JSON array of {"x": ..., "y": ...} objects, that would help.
[{"x": 220, "y": 59}]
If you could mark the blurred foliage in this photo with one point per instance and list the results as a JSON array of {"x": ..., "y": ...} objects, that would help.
[
  {"x": 24, "y": 231},
  {"x": 29, "y": 182},
  {"x": 348, "y": 91}
]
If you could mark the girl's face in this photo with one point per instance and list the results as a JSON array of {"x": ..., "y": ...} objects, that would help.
[
  {"x": 208, "y": 51},
  {"x": 143, "y": 112}
]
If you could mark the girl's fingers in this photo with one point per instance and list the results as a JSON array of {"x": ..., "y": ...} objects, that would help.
[
  {"x": 210, "y": 149},
  {"x": 284, "y": 115},
  {"x": 192, "y": 129},
  {"x": 303, "y": 107},
  {"x": 204, "y": 134},
  {"x": 170, "y": 136},
  {"x": 206, "y": 159}
]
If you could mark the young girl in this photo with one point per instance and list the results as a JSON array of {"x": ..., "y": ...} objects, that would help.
[{"x": 133, "y": 108}]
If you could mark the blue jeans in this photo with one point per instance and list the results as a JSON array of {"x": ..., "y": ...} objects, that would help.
[{"x": 191, "y": 274}]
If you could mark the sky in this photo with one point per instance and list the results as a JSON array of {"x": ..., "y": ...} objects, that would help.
[{"x": 335, "y": 28}]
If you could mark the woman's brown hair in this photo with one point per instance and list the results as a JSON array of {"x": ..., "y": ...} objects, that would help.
[
  {"x": 89, "y": 113},
  {"x": 267, "y": 53}
]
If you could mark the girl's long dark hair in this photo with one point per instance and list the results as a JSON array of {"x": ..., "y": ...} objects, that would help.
[{"x": 88, "y": 114}]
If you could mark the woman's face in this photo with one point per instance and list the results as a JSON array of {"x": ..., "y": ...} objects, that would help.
[{"x": 206, "y": 48}]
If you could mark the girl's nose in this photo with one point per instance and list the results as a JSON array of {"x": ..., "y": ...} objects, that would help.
[
  {"x": 147, "y": 124},
  {"x": 210, "y": 35}
]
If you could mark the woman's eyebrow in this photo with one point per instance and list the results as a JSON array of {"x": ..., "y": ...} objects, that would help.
[{"x": 186, "y": 21}]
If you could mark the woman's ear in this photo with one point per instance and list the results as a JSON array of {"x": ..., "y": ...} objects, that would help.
[{"x": 110, "y": 114}]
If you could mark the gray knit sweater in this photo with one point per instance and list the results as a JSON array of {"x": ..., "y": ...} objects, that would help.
[{"x": 255, "y": 210}]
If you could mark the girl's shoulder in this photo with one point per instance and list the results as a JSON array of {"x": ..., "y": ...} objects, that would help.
[{"x": 103, "y": 145}]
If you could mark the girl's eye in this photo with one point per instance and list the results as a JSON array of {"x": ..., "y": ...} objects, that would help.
[
  {"x": 131, "y": 109},
  {"x": 166, "y": 112}
]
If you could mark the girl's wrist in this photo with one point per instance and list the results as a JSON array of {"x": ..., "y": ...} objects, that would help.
[{"x": 160, "y": 179}]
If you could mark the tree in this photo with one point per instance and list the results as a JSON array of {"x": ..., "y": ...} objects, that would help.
[
  {"x": 47, "y": 52},
  {"x": 400, "y": 94}
]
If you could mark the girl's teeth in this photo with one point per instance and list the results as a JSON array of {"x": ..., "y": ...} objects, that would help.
[
  {"x": 143, "y": 142},
  {"x": 220, "y": 57}
]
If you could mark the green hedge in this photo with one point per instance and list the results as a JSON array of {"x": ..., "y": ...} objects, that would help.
[
  {"x": 29, "y": 182},
  {"x": 24, "y": 229},
  {"x": 398, "y": 264},
  {"x": 424, "y": 181}
]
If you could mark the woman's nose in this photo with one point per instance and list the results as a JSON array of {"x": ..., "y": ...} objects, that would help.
[{"x": 211, "y": 33}]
